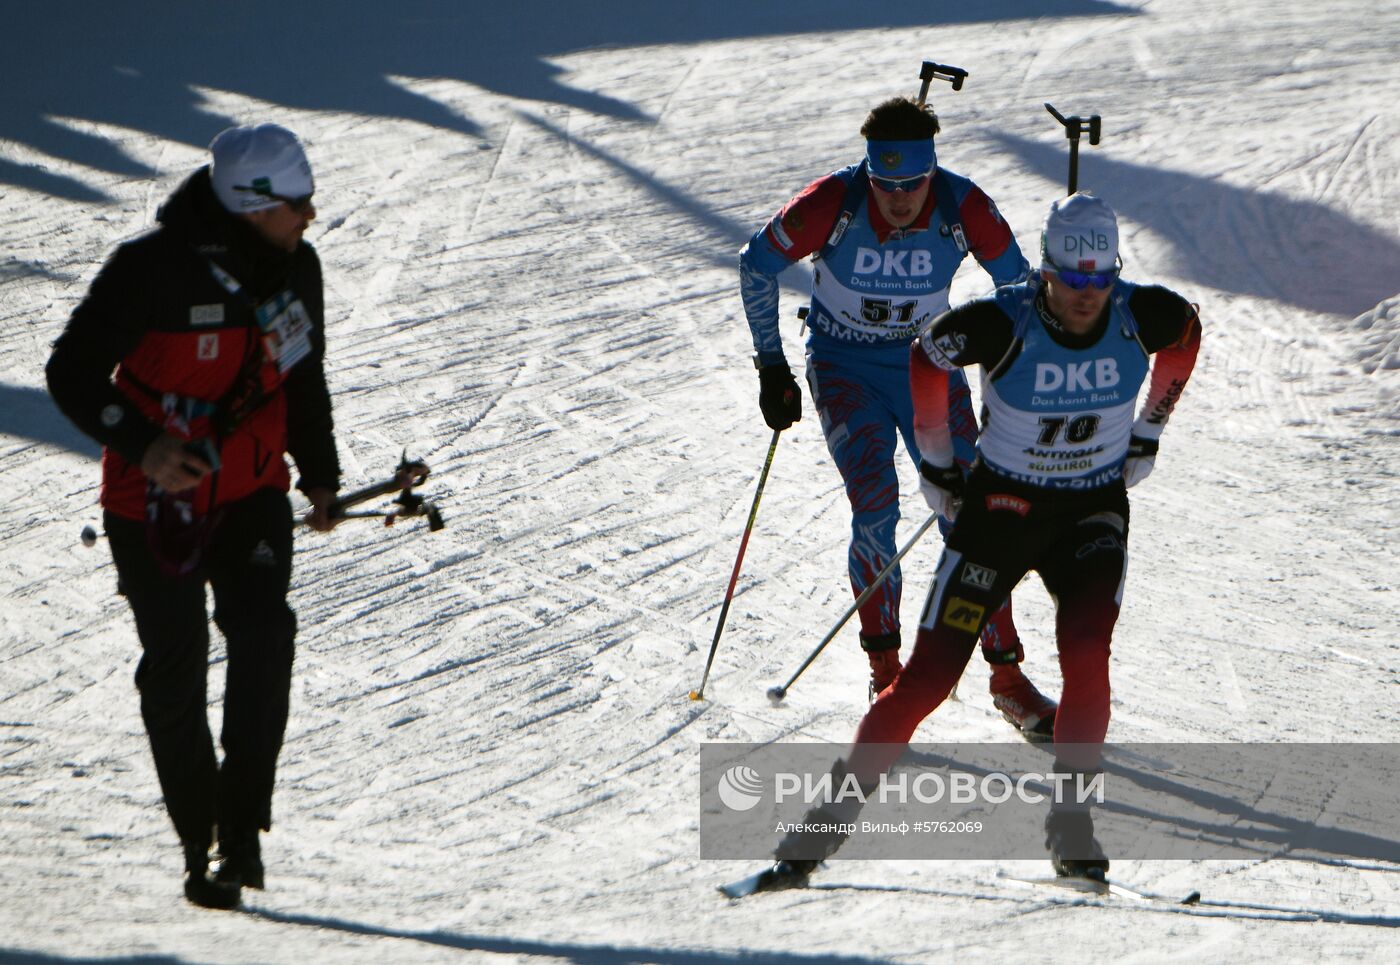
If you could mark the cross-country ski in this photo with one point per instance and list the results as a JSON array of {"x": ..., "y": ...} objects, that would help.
[{"x": 461, "y": 459}]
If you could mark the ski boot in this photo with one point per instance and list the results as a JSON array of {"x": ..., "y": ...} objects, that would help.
[
  {"x": 801, "y": 851},
  {"x": 1024, "y": 707},
  {"x": 796, "y": 856},
  {"x": 882, "y": 650},
  {"x": 789, "y": 870},
  {"x": 1074, "y": 852}
]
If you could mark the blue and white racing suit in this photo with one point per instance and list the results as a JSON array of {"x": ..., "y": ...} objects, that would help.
[{"x": 875, "y": 287}]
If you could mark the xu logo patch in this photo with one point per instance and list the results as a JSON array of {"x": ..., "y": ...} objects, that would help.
[{"x": 978, "y": 576}]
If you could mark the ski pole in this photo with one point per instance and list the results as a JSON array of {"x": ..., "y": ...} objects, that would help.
[
  {"x": 699, "y": 693},
  {"x": 1075, "y": 126},
  {"x": 776, "y": 694}
]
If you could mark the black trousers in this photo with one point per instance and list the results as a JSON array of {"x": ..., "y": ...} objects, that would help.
[
  {"x": 248, "y": 565},
  {"x": 1077, "y": 542}
]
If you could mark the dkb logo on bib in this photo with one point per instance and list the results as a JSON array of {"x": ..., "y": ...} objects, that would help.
[{"x": 1075, "y": 377}]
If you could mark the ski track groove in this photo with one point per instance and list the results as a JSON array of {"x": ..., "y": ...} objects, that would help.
[
  {"x": 1347, "y": 155},
  {"x": 490, "y": 737}
]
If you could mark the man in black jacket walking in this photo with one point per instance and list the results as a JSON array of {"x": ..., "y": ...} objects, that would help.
[{"x": 196, "y": 360}]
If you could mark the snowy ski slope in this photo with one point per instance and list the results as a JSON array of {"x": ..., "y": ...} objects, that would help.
[{"x": 529, "y": 220}]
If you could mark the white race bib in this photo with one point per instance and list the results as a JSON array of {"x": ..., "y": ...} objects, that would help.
[{"x": 286, "y": 329}]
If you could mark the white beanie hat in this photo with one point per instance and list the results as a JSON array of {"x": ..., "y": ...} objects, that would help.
[
  {"x": 1081, "y": 234},
  {"x": 253, "y": 163}
]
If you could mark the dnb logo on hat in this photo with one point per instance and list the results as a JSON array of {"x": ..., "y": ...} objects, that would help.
[
  {"x": 1081, "y": 231},
  {"x": 891, "y": 159}
]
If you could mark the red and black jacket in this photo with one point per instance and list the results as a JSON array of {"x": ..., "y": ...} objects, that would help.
[{"x": 189, "y": 358}]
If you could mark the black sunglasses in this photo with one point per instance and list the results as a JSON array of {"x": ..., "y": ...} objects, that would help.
[{"x": 300, "y": 205}]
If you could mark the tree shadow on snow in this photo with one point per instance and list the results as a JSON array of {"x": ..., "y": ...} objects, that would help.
[
  {"x": 31, "y": 414},
  {"x": 721, "y": 238},
  {"x": 578, "y": 954},
  {"x": 16, "y": 956},
  {"x": 141, "y": 67},
  {"x": 18, "y": 269},
  {"x": 1235, "y": 239},
  {"x": 725, "y": 234}
]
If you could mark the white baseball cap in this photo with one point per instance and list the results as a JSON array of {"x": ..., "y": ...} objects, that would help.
[
  {"x": 1081, "y": 234},
  {"x": 258, "y": 167}
]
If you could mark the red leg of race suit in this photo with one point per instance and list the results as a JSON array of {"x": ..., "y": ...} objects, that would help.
[
  {"x": 1084, "y": 571},
  {"x": 1078, "y": 544},
  {"x": 962, "y": 597}
]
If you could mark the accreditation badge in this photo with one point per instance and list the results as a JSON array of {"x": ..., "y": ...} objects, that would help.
[{"x": 286, "y": 329}]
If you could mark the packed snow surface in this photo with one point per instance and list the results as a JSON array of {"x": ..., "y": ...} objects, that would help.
[{"x": 529, "y": 219}]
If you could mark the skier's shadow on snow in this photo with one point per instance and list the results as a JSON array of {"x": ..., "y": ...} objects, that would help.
[
  {"x": 1147, "y": 795},
  {"x": 1236, "y": 239},
  {"x": 164, "y": 73},
  {"x": 31, "y": 414},
  {"x": 579, "y": 954}
]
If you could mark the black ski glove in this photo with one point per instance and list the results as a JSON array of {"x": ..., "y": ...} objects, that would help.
[
  {"x": 942, "y": 488},
  {"x": 779, "y": 396},
  {"x": 1142, "y": 453}
]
